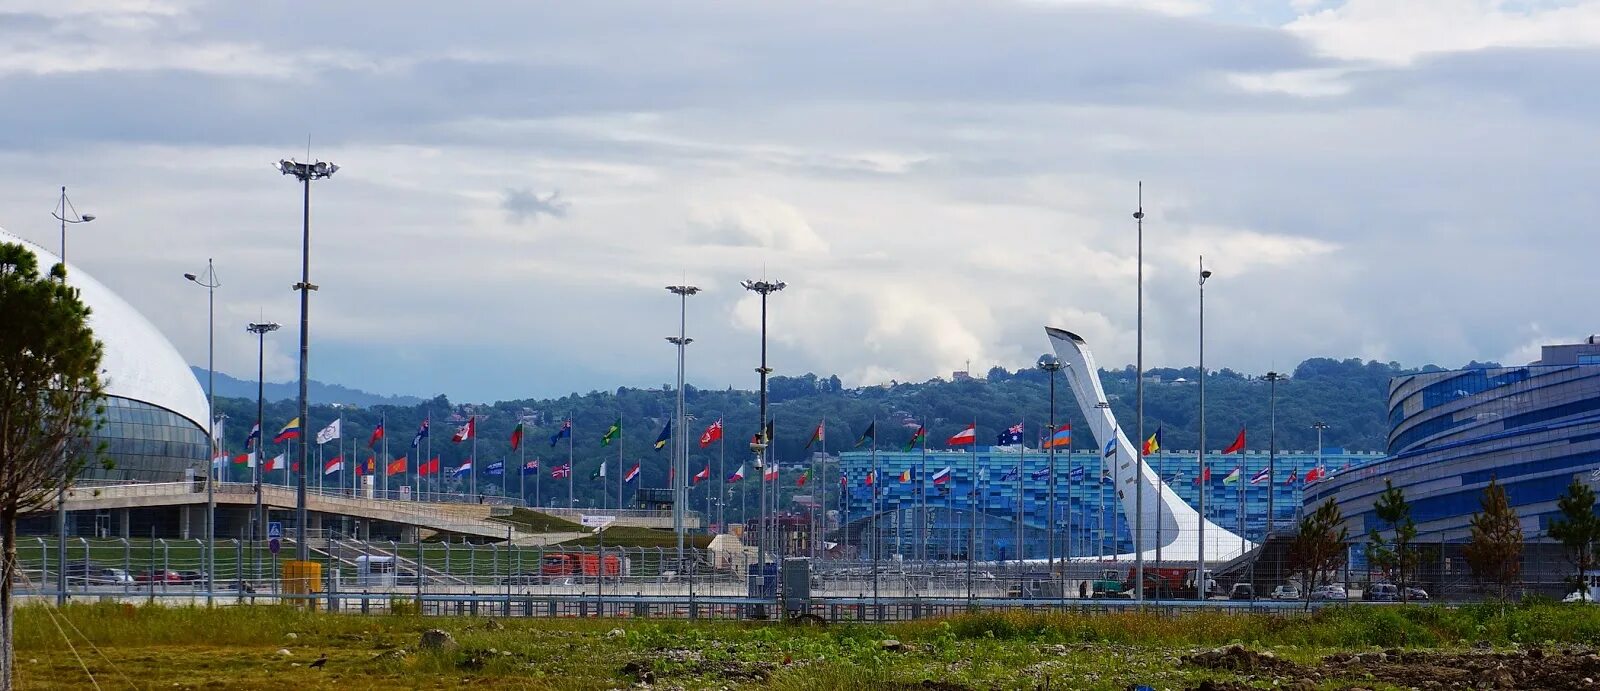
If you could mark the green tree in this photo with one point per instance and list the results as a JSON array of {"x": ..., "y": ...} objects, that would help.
[
  {"x": 1319, "y": 546},
  {"x": 1495, "y": 551},
  {"x": 1577, "y": 529},
  {"x": 1393, "y": 555},
  {"x": 50, "y": 393}
]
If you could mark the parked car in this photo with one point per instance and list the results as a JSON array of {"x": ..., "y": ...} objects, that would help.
[
  {"x": 1381, "y": 592},
  {"x": 1242, "y": 591},
  {"x": 1285, "y": 592},
  {"x": 1416, "y": 594},
  {"x": 1330, "y": 592},
  {"x": 159, "y": 576},
  {"x": 115, "y": 577}
]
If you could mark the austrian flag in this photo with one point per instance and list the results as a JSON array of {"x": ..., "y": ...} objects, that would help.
[{"x": 966, "y": 436}]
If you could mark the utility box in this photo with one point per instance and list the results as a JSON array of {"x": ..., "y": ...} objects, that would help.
[{"x": 796, "y": 584}]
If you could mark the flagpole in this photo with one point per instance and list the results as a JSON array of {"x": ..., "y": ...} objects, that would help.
[
  {"x": 522, "y": 476},
  {"x": 820, "y": 524},
  {"x": 1022, "y": 455},
  {"x": 722, "y": 471},
  {"x": 570, "y": 434},
  {"x": 472, "y": 428},
  {"x": 972, "y": 513},
  {"x": 438, "y": 475},
  {"x": 619, "y": 460},
  {"x": 877, "y": 535},
  {"x": 922, "y": 501}
]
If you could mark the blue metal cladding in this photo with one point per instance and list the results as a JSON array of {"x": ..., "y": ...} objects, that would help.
[{"x": 1531, "y": 429}]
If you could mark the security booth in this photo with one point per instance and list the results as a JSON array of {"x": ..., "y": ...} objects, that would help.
[{"x": 375, "y": 571}]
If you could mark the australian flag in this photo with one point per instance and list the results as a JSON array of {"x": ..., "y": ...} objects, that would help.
[
  {"x": 422, "y": 433},
  {"x": 1011, "y": 435},
  {"x": 531, "y": 467},
  {"x": 564, "y": 432}
]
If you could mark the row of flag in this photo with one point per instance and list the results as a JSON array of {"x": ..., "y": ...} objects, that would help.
[{"x": 1060, "y": 437}]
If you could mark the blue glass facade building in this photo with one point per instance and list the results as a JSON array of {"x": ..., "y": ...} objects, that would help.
[
  {"x": 1533, "y": 429},
  {"x": 1089, "y": 519}
]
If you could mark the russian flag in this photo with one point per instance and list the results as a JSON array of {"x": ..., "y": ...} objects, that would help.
[
  {"x": 942, "y": 476},
  {"x": 289, "y": 431}
]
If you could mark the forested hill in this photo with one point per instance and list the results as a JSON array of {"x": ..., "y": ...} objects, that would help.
[{"x": 1348, "y": 395}]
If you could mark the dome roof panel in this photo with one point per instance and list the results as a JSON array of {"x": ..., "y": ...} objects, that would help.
[{"x": 139, "y": 362}]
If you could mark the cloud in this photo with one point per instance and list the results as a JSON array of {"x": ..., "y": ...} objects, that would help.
[
  {"x": 756, "y": 222},
  {"x": 525, "y": 206},
  {"x": 935, "y": 181},
  {"x": 1401, "y": 32}
]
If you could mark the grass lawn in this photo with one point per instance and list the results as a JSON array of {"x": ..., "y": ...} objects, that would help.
[{"x": 238, "y": 647}]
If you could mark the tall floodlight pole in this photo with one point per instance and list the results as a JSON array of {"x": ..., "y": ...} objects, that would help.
[
  {"x": 66, "y": 213},
  {"x": 1051, "y": 365},
  {"x": 680, "y": 480},
  {"x": 1200, "y": 579},
  {"x": 210, "y": 283},
  {"x": 260, "y": 330},
  {"x": 305, "y": 173},
  {"x": 1138, "y": 499},
  {"x": 1272, "y": 449},
  {"x": 764, "y": 288}
]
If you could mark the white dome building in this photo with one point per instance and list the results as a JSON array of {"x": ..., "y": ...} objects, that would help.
[{"x": 155, "y": 417}]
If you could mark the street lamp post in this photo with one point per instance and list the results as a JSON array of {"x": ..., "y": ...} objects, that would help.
[
  {"x": 1138, "y": 499},
  {"x": 1272, "y": 450},
  {"x": 1200, "y": 579},
  {"x": 305, "y": 173},
  {"x": 764, "y": 288},
  {"x": 210, "y": 283},
  {"x": 66, "y": 213},
  {"x": 1050, "y": 365},
  {"x": 680, "y": 480},
  {"x": 260, "y": 330}
]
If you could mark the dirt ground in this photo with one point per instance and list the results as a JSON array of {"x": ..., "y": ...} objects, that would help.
[{"x": 1527, "y": 668}]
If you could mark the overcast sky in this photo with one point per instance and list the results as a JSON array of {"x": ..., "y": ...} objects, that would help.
[{"x": 937, "y": 181}]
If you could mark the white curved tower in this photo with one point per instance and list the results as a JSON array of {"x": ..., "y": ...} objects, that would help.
[{"x": 1180, "y": 523}]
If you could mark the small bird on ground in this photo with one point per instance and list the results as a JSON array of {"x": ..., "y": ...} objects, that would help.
[{"x": 320, "y": 661}]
